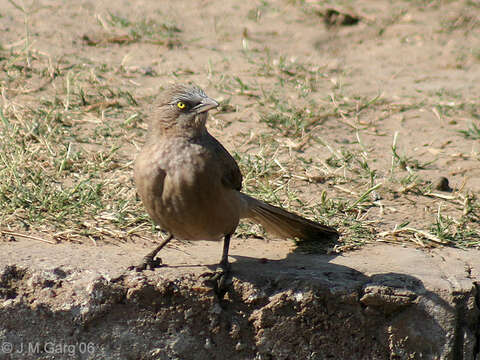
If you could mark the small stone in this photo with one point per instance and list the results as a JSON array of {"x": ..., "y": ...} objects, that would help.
[
  {"x": 298, "y": 296},
  {"x": 208, "y": 344},
  {"x": 148, "y": 71},
  {"x": 337, "y": 17},
  {"x": 59, "y": 272},
  {"x": 442, "y": 184},
  {"x": 239, "y": 346}
]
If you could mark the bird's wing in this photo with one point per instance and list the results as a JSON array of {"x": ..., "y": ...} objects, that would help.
[
  {"x": 231, "y": 175},
  {"x": 149, "y": 177}
]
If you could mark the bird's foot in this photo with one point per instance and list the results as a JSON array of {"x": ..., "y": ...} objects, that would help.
[
  {"x": 219, "y": 280},
  {"x": 148, "y": 263}
]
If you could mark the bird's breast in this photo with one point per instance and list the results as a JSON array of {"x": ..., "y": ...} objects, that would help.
[{"x": 193, "y": 204}]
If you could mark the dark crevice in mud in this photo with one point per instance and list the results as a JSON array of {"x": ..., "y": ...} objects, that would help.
[{"x": 460, "y": 306}]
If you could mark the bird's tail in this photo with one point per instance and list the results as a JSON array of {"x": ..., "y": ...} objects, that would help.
[{"x": 286, "y": 224}]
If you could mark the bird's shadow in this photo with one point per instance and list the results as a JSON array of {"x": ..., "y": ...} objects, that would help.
[
  {"x": 312, "y": 268},
  {"x": 298, "y": 270}
]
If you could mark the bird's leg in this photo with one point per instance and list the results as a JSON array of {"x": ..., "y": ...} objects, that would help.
[
  {"x": 224, "y": 264},
  {"x": 220, "y": 276},
  {"x": 149, "y": 261}
]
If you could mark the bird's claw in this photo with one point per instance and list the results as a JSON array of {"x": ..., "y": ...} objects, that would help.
[
  {"x": 219, "y": 280},
  {"x": 148, "y": 263}
]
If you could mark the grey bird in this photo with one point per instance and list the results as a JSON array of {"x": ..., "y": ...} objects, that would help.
[{"x": 191, "y": 186}]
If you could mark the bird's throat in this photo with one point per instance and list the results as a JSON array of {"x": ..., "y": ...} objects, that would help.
[{"x": 201, "y": 119}]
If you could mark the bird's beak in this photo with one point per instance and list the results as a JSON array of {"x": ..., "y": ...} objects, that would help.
[{"x": 206, "y": 104}]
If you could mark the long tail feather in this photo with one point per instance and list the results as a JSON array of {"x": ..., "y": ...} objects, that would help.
[{"x": 286, "y": 224}]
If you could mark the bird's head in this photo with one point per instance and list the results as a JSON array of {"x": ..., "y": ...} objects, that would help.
[{"x": 185, "y": 108}]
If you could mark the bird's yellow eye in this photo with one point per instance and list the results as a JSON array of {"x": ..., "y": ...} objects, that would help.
[{"x": 181, "y": 105}]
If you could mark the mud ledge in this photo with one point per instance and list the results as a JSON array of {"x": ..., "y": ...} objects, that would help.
[{"x": 382, "y": 302}]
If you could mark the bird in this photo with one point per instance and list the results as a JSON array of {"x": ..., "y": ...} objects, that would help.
[{"x": 191, "y": 186}]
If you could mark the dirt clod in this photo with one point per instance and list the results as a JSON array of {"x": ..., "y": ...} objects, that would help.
[{"x": 442, "y": 184}]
